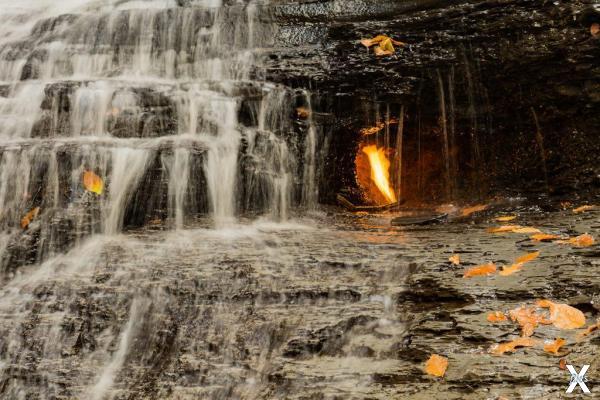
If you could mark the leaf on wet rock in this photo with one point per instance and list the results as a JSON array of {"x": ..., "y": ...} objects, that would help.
[
  {"x": 563, "y": 316},
  {"x": 553, "y": 347},
  {"x": 511, "y": 270},
  {"x": 302, "y": 112},
  {"x": 584, "y": 208},
  {"x": 92, "y": 182},
  {"x": 509, "y": 347},
  {"x": 506, "y": 218},
  {"x": 544, "y": 237},
  {"x": 436, "y": 365},
  {"x": 496, "y": 316},
  {"x": 562, "y": 364},
  {"x": 465, "y": 212},
  {"x": 584, "y": 240},
  {"x": 527, "y": 257},
  {"x": 454, "y": 259},
  {"x": 595, "y": 29},
  {"x": 30, "y": 216},
  {"x": 526, "y": 229},
  {"x": 528, "y": 319},
  {"x": 590, "y": 329},
  {"x": 480, "y": 270},
  {"x": 385, "y": 45},
  {"x": 503, "y": 229}
]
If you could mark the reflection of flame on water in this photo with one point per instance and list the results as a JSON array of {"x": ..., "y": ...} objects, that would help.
[{"x": 380, "y": 171}]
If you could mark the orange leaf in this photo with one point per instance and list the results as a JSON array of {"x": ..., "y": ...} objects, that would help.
[
  {"x": 563, "y": 316},
  {"x": 375, "y": 40},
  {"x": 506, "y": 218},
  {"x": 436, "y": 365},
  {"x": 595, "y": 29},
  {"x": 554, "y": 346},
  {"x": 379, "y": 52},
  {"x": 92, "y": 182},
  {"x": 454, "y": 259},
  {"x": 470, "y": 210},
  {"x": 302, "y": 112},
  {"x": 562, "y": 364},
  {"x": 30, "y": 216},
  {"x": 584, "y": 240},
  {"x": 590, "y": 329},
  {"x": 528, "y": 319},
  {"x": 496, "y": 316},
  {"x": 543, "y": 237},
  {"x": 527, "y": 229},
  {"x": 511, "y": 270},
  {"x": 583, "y": 209},
  {"x": 485, "y": 269},
  {"x": 501, "y": 348},
  {"x": 504, "y": 228},
  {"x": 528, "y": 257}
]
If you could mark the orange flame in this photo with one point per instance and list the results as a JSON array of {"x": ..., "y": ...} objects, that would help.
[{"x": 380, "y": 171}]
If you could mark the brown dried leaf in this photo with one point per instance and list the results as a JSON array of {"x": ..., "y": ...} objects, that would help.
[
  {"x": 527, "y": 257},
  {"x": 562, "y": 364},
  {"x": 563, "y": 316},
  {"x": 454, "y": 259},
  {"x": 30, "y": 216},
  {"x": 302, "y": 112},
  {"x": 553, "y": 347},
  {"x": 506, "y": 218},
  {"x": 496, "y": 316},
  {"x": 485, "y": 269},
  {"x": 436, "y": 365},
  {"x": 595, "y": 29},
  {"x": 92, "y": 182},
  {"x": 511, "y": 270},
  {"x": 501, "y": 348}
]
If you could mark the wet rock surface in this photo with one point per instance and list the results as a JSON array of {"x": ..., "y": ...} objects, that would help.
[{"x": 326, "y": 307}]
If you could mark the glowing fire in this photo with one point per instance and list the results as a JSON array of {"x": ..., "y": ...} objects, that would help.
[{"x": 380, "y": 171}]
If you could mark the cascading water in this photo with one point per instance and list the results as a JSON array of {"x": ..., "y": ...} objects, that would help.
[{"x": 164, "y": 101}]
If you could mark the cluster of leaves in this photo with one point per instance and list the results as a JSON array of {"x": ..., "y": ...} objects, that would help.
[{"x": 384, "y": 45}]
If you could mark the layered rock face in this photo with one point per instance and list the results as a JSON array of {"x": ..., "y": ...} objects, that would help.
[{"x": 499, "y": 96}]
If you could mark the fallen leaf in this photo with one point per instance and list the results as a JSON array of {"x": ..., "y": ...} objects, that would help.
[
  {"x": 92, "y": 182},
  {"x": 581, "y": 209},
  {"x": 595, "y": 29},
  {"x": 506, "y": 218},
  {"x": 511, "y": 270},
  {"x": 526, "y": 229},
  {"x": 436, "y": 365},
  {"x": 372, "y": 130},
  {"x": 30, "y": 216},
  {"x": 302, "y": 112},
  {"x": 454, "y": 259},
  {"x": 562, "y": 364},
  {"x": 370, "y": 42},
  {"x": 503, "y": 229},
  {"x": 544, "y": 237},
  {"x": 584, "y": 240},
  {"x": 470, "y": 210},
  {"x": 386, "y": 45},
  {"x": 563, "y": 316},
  {"x": 590, "y": 329},
  {"x": 528, "y": 319},
  {"x": 496, "y": 316},
  {"x": 379, "y": 52},
  {"x": 501, "y": 348},
  {"x": 485, "y": 269},
  {"x": 527, "y": 257},
  {"x": 554, "y": 346},
  {"x": 565, "y": 204}
]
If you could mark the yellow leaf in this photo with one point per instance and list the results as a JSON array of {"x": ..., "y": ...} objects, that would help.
[
  {"x": 381, "y": 52},
  {"x": 92, "y": 182},
  {"x": 527, "y": 257},
  {"x": 386, "y": 45},
  {"x": 504, "y": 229},
  {"x": 501, "y": 348},
  {"x": 30, "y": 216},
  {"x": 454, "y": 259},
  {"x": 554, "y": 346},
  {"x": 526, "y": 229},
  {"x": 378, "y": 39},
  {"x": 563, "y": 316},
  {"x": 543, "y": 237},
  {"x": 528, "y": 319},
  {"x": 506, "y": 218},
  {"x": 511, "y": 270},
  {"x": 496, "y": 316},
  {"x": 485, "y": 269},
  {"x": 472, "y": 209},
  {"x": 436, "y": 365},
  {"x": 583, "y": 209}
]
